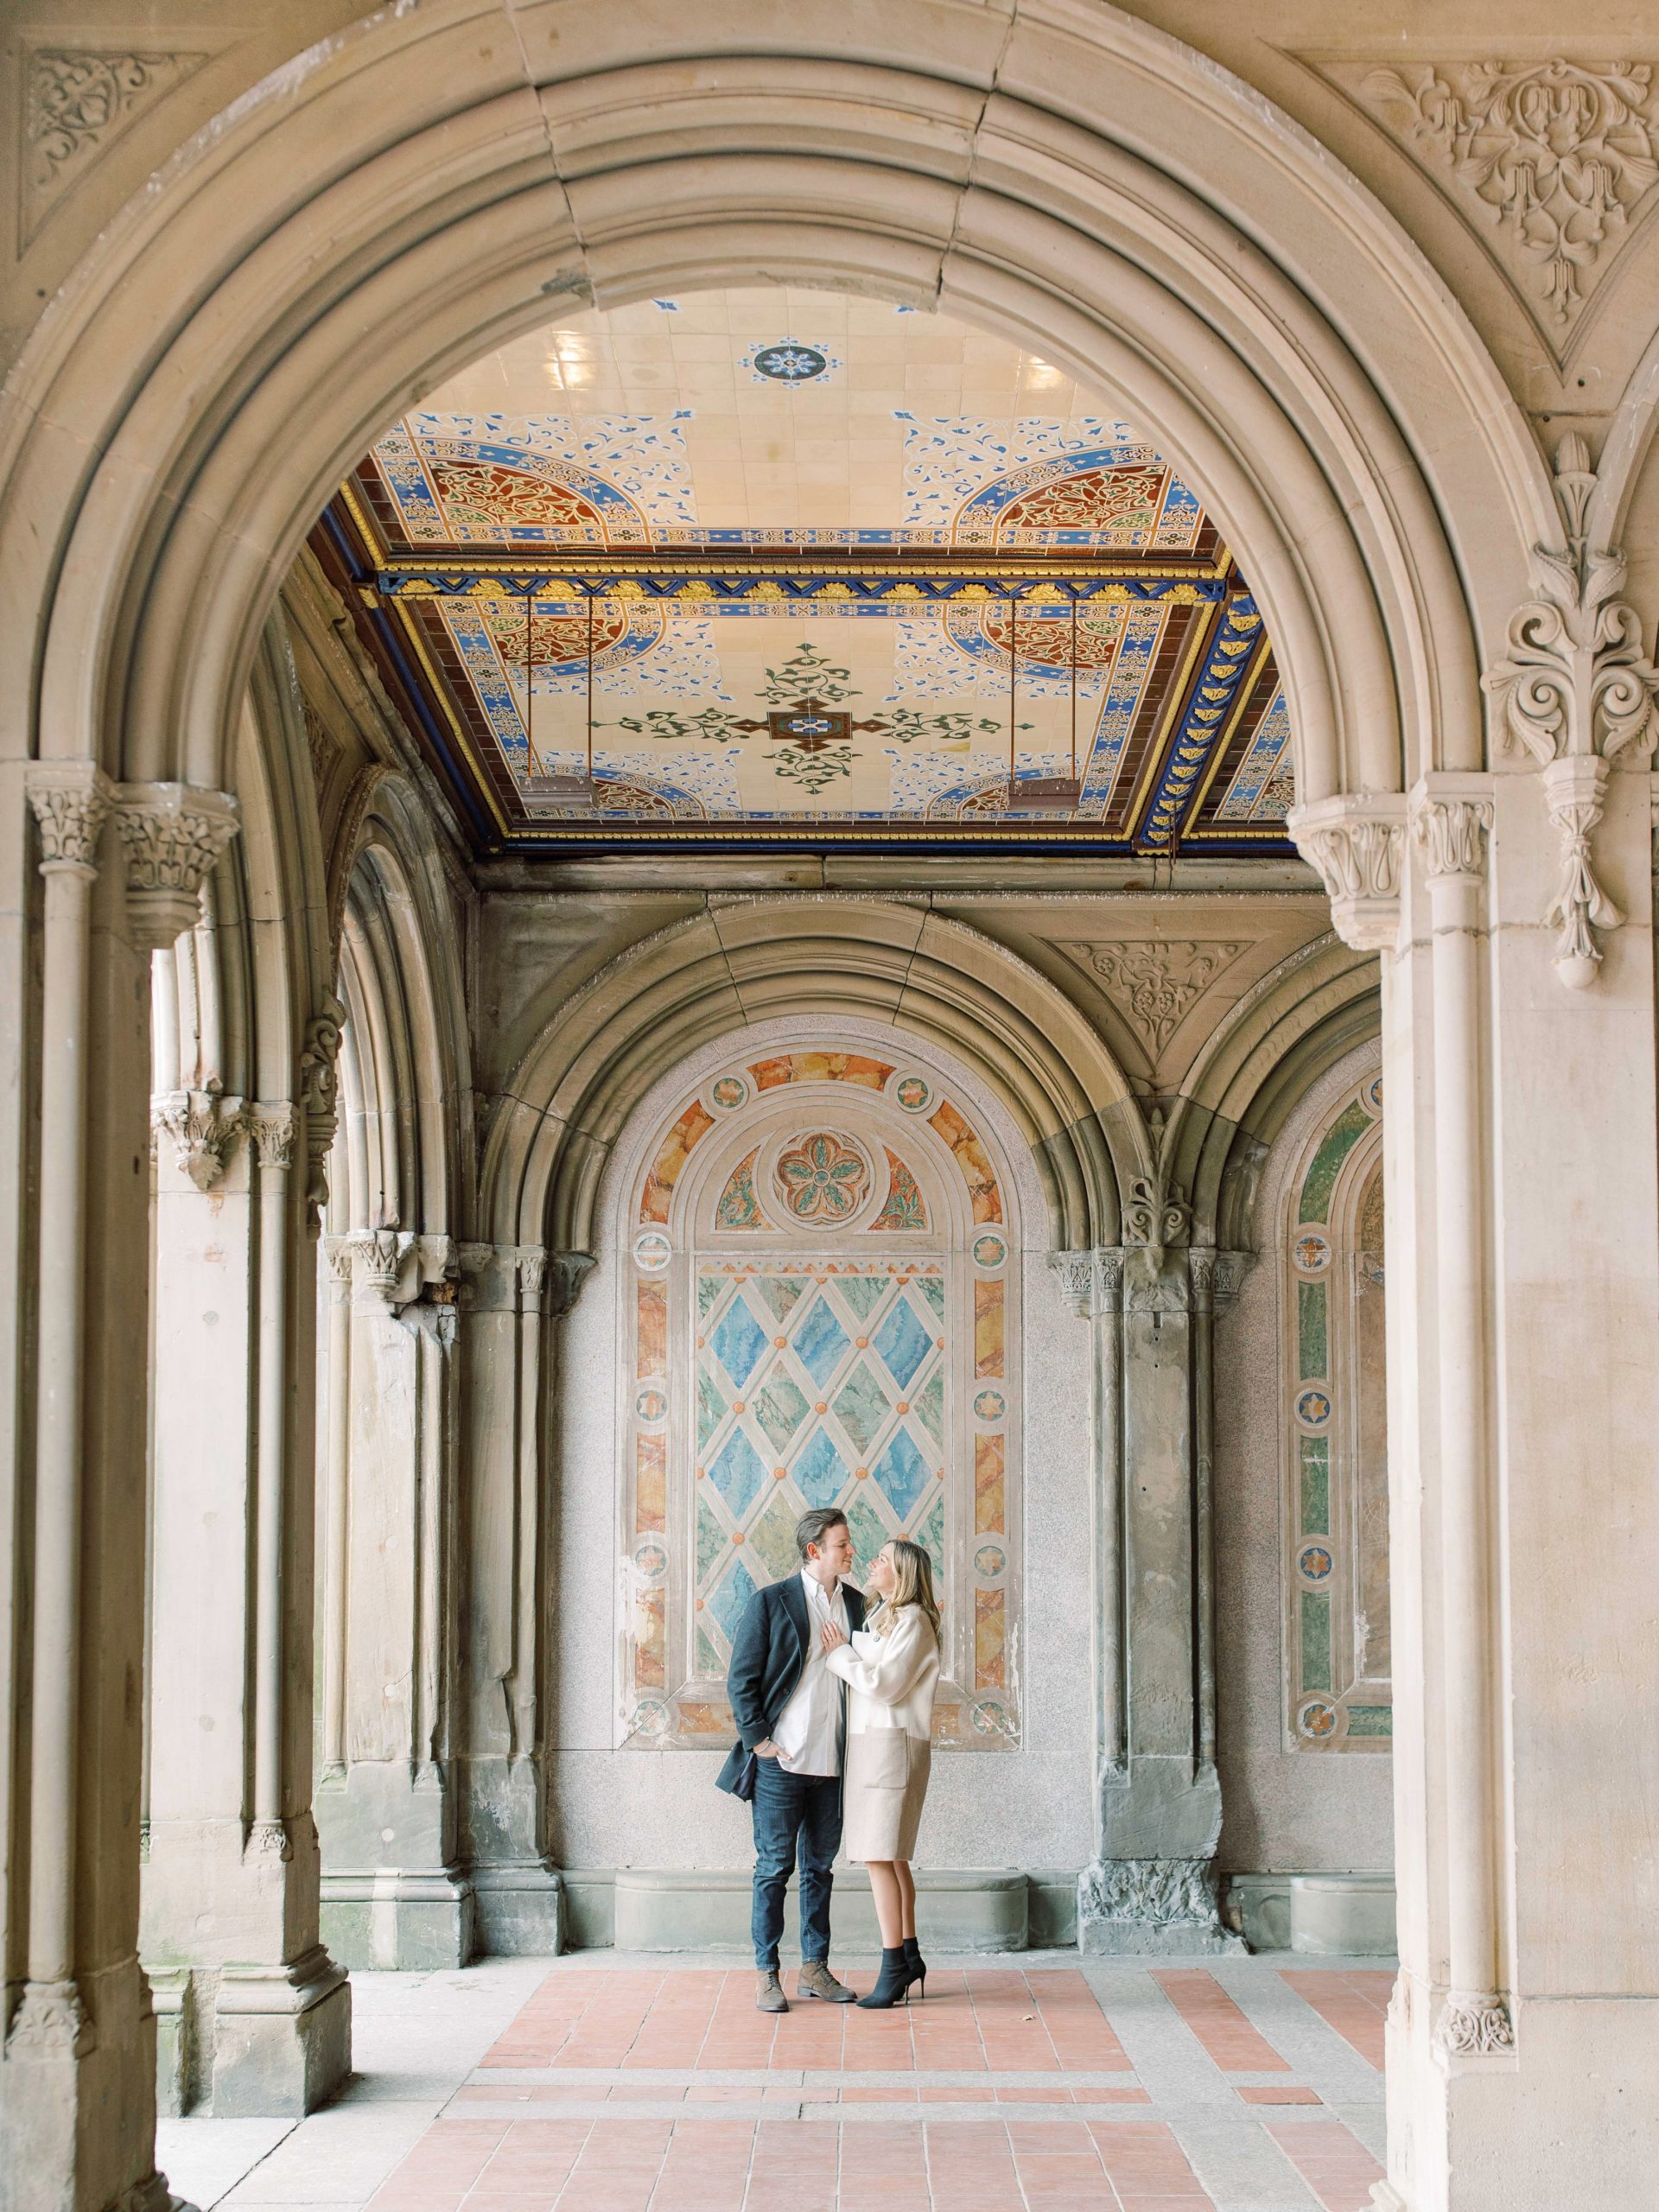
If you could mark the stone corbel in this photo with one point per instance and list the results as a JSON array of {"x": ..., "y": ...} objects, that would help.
[
  {"x": 320, "y": 1100},
  {"x": 173, "y": 834},
  {"x": 204, "y": 1126},
  {"x": 386, "y": 1265},
  {"x": 1577, "y": 691},
  {"x": 1357, "y": 843},
  {"x": 566, "y": 1273}
]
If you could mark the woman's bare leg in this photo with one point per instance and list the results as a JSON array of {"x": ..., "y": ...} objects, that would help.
[
  {"x": 907, "y": 1897},
  {"x": 889, "y": 1909}
]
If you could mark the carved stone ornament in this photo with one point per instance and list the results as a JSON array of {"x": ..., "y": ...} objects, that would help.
[
  {"x": 1452, "y": 834},
  {"x": 1077, "y": 1273},
  {"x": 1155, "y": 1217},
  {"x": 174, "y": 835},
  {"x": 1555, "y": 155},
  {"x": 1577, "y": 691},
  {"x": 1155, "y": 1892},
  {"x": 267, "y": 1840},
  {"x": 320, "y": 1100},
  {"x": 72, "y": 800},
  {"x": 274, "y": 1130},
  {"x": 566, "y": 1273},
  {"x": 1475, "y": 2027},
  {"x": 1155, "y": 982},
  {"x": 1357, "y": 843},
  {"x": 1217, "y": 1276},
  {"x": 76, "y": 103},
  {"x": 50, "y": 2023},
  {"x": 204, "y": 1126}
]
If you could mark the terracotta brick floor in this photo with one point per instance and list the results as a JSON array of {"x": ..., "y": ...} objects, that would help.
[{"x": 1008, "y": 2090}]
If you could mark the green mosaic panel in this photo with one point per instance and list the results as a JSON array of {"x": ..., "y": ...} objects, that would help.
[
  {"x": 1340, "y": 1139},
  {"x": 1316, "y": 1485},
  {"x": 1312, "y": 1349},
  {"x": 1316, "y": 1641},
  {"x": 814, "y": 1386},
  {"x": 1370, "y": 1720}
]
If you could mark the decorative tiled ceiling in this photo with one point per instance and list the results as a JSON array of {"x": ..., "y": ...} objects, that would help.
[{"x": 782, "y": 566}]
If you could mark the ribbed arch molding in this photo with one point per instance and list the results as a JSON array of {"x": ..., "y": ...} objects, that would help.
[
  {"x": 419, "y": 190},
  {"x": 747, "y": 961}
]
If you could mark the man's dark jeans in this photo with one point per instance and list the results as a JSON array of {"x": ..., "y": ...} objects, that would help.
[{"x": 792, "y": 1810}]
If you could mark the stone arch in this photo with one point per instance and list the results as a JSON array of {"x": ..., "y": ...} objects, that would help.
[
  {"x": 565, "y": 1104},
  {"x": 365, "y": 246},
  {"x": 404, "y": 1080}
]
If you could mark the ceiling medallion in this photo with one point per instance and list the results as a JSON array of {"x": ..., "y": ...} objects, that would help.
[{"x": 787, "y": 360}]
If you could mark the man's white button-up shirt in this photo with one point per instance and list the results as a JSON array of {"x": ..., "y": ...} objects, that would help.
[{"x": 808, "y": 1734}]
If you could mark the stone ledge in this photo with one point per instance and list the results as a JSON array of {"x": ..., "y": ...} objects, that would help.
[
  {"x": 1322, "y": 1915},
  {"x": 642, "y": 1909}
]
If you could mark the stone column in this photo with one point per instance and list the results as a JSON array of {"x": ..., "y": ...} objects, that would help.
[
  {"x": 76, "y": 2085},
  {"x": 1151, "y": 1888},
  {"x": 393, "y": 1893},
  {"x": 255, "y": 2016},
  {"x": 510, "y": 1295}
]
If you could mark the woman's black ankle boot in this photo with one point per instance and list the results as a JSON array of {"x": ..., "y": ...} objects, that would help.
[
  {"x": 893, "y": 1982},
  {"x": 916, "y": 1964}
]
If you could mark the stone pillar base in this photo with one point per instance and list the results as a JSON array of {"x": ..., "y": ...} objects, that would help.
[
  {"x": 251, "y": 2043},
  {"x": 1152, "y": 1908},
  {"x": 518, "y": 1911},
  {"x": 398, "y": 1920}
]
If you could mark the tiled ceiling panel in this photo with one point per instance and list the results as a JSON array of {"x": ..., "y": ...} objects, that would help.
[{"x": 769, "y": 564}]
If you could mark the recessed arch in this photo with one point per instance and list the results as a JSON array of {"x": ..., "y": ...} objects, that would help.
[
  {"x": 740, "y": 963},
  {"x": 371, "y": 257}
]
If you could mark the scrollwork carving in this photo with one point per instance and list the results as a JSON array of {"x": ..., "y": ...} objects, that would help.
[
  {"x": 1452, "y": 834},
  {"x": 275, "y": 1130},
  {"x": 1475, "y": 2026},
  {"x": 1154, "y": 1217},
  {"x": 1559, "y": 153},
  {"x": 320, "y": 1100},
  {"x": 1155, "y": 982},
  {"x": 1156, "y": 1892},
  {"x": 1576, "y": 691}
]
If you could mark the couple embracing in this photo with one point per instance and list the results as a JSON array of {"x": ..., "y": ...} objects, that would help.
[{"x": 834, "y": 1710}]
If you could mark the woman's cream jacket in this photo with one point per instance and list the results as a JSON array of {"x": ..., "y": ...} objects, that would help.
[{"x": 892, "y": 1679}]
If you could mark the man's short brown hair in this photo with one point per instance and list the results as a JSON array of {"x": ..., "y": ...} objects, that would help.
[{"x": 812, "y": 1528}]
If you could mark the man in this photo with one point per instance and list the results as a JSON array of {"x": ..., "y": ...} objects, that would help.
[{"x": 790, "y": 1724}]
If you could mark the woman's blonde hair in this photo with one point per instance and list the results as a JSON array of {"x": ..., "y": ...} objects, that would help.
[{"x": 912, "y": 1585}]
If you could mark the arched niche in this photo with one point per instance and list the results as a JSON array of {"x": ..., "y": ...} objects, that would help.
[{"x": 819, "y": 1302}]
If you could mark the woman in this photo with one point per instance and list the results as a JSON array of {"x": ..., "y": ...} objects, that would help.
[{"x": 892, "y": 1667}]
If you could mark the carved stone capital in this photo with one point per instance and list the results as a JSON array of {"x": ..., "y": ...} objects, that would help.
[
  {"x": 267, "y": 1840},
  {"x": 337, "y": 1251},
  {"x": 1216, "y": 1276},
  {"x": 382, "y": 1259},
  {"x": 173, "y": 834},
  {"x": 204, "y": 1126},
  {"x": 1077, "y": 1273},
  {"x": 1451, "y": 828},
  {"x": 274, "y": 1130},
  {"x": 1357, "y": 842},
  {"x": 1474, "y": 2026},
  {"x": 72, "y": 801}
]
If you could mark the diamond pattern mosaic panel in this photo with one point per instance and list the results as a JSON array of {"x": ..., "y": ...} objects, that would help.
[{"x": 817, "y": 1384}]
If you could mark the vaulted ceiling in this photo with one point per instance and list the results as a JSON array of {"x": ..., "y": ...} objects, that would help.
[{"x": 776, "y": 566}]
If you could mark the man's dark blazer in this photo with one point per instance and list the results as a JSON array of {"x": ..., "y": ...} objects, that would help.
[{"x": 768, "y": 1653}]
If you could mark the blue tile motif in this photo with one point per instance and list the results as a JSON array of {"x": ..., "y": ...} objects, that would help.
[
  {"x": 820, "y": 1342},
  {"x": 737, "y": 1474},
  {"x": 903, "y": 1343},
  {"x": 820, "y": 1473},
  {"x": 739, "y": 1340},
  {"x": 903, "y": 1473},
  {"x": 730, "y": 1602}
]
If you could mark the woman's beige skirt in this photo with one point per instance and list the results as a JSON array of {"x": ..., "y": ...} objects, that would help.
[{"x": 885, "y": 1786}]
